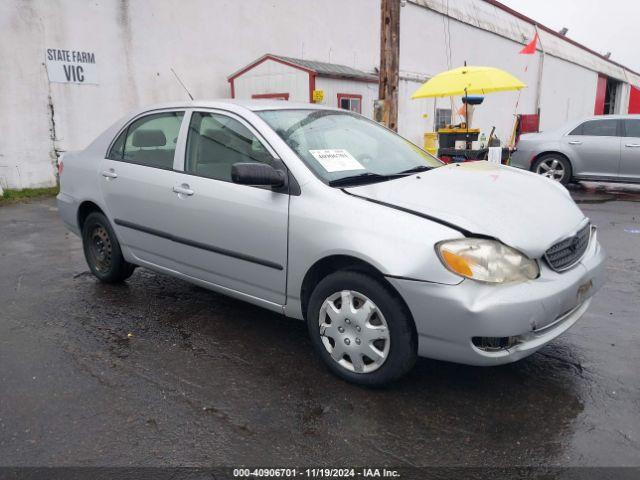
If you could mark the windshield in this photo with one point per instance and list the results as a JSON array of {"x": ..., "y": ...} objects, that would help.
[{"x": 340, "y": 146}]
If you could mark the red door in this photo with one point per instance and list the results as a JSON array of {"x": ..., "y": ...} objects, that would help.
[
  {"x": 601, "y": 92},
  {"x": 634, "y": 100}
]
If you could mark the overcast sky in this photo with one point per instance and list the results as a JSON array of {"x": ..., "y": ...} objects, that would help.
[{"x": 602, "y": 25}]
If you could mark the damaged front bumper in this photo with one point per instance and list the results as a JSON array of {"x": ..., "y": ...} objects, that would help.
[{"x": 481, "y": 324}]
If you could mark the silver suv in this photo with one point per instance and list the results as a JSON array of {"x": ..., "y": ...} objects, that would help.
[
  {"x": 603, "y": 148},
  {"x": 323, "y": 215}
]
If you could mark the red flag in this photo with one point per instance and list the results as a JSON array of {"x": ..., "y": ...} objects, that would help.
[{"x": 530, "y": 47}]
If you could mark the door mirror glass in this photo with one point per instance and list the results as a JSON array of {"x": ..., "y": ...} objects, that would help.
[{"x": 257, "y": 174}]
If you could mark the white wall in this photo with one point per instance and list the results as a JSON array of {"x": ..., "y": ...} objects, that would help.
[
  {"x": 415, "y": 116},
  {"x": 486, "y": 16},
  {"x": 569, "y": 93},
  {"x": 273, "y": 77},
  {"x": 333, "y": 86},
  {"x": 137, "y": 42},
  {"x": 568, "y": 89}
]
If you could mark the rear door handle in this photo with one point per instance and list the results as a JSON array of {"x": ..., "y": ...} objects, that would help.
[
  {"x": 632, "y": 145},
  {"x": 183, "y": 190},
  {"x": 575, "y": 142},
  {"x": 109, "y": 174}
]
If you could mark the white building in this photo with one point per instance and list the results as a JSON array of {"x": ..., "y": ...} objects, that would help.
[{"x": 70, "y": 67}]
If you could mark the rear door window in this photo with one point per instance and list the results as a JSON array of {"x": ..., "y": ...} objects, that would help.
[
  {"x": 597, "y": 128},
  {"x": 117, "y": 148},
  {"x": 632, "y": 128},
  {"x": 151, "y": 140}
]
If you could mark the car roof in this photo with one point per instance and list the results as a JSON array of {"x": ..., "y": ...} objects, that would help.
[
  {"x": 613, "y": 117},
  {"x": 234, "y": 104},
  {"x": 570, "y": 125}
]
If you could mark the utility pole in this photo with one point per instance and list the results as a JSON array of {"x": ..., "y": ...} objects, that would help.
[
  {"x": 540, "y": 69},
  {"x": 389, "y": 62}
]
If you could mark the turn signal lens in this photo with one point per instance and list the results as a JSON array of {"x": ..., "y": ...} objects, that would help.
[
  {"x": 486, "y": 260},
  {"x": 457, "y": 263}
]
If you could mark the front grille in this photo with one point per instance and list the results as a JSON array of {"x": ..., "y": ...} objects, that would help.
[{"x": 568, "y": 252}]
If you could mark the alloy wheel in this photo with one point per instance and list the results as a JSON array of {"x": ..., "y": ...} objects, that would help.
[
  {"x": 354, "y": 331},
  {"x": 551, "y": 168}
]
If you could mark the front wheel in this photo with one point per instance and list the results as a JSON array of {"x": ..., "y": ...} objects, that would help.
[
  {"x": 361, "y": 329},
  {"x": 102, "y": 250},
  {"x": 553, "y": 166}
]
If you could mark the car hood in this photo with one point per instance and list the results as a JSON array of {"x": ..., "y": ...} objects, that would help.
[{"x": 523, "y": 210}]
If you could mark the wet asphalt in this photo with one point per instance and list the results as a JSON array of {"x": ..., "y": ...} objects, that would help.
[{"x": 160, "y": 372}]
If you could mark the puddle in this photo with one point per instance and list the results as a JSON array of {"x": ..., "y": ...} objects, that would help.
[{"x": 592, "y": 192}]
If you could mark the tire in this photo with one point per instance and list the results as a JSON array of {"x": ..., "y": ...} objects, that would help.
[
  {"x": 102, "y": 250},
  {"x": 357, "y": 336},
  {"x": 554, "y": 166}
]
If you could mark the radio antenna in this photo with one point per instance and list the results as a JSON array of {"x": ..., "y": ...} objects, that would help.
[{"x": 181, "y": 84}]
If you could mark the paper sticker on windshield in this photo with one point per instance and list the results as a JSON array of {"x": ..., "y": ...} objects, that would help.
[{"x": 336, "y": 160}]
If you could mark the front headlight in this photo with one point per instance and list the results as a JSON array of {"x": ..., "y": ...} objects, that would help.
[{"x": 486, "y": 261}]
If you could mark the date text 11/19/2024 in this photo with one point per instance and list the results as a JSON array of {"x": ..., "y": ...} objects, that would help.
[{"x": 315, "y": 473}]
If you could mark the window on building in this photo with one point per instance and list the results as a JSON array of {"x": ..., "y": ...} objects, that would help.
[
  {"x": 443, "y": 118},
  {"x": 349, "y": 101},
  {"x": 632, "y": 128},
  {"x": 215, "y": 142},
  {"x": 613, "y": 87},
  {"x": 597, "y": 128},
  {"x": 273, "y": 96},
  {"x": 151, "y": 140}
]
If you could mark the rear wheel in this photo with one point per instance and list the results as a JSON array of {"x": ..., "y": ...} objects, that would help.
[
  {"x": 361, "y": 329},
  {"x": 553, "y": 166},
  {"x": 102, "y": 250}
]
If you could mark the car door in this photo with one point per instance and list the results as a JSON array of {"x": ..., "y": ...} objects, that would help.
[
  {"x": 137, "y": 181},
  {"x": 231, "y": 235},
  {"x": 630, "y": 150},
  {"x": 594, "y": 148}
]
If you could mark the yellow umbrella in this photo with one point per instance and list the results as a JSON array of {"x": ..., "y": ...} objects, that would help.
[{"x": 468, "y": 81}]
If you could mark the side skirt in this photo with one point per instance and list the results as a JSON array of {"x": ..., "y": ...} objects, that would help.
[{"x": 274, "y": 307}]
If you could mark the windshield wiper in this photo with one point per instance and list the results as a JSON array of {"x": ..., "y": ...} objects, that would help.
[
  {"x": 418, "y": 169},
  {"x": 369, "y": 177},
  {"x": 360, "y": 179}
]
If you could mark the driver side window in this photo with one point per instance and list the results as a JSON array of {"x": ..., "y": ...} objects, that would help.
[{"x": 215, "y": 142}]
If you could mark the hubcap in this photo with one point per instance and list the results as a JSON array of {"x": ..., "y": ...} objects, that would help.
[
  {"x": 354, "y": 331},
  {"x": 100, "y": 248},
  {"x": 551, "y": 168}
]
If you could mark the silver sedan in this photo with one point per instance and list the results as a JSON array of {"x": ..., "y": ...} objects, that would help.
[
  {"x": 323, "y": 215},
  {"x": 602, "y": 148}
]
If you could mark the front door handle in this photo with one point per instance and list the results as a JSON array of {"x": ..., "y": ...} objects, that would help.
[
  {"x": 111, "y": 173},
  {"x": 632, "y": 145},
  {"x": 575, "y": 142},
  {"x": 183, "y": 190}
]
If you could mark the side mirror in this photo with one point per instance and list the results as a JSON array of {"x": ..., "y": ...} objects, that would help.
[{"x": 257, "y": 174}]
